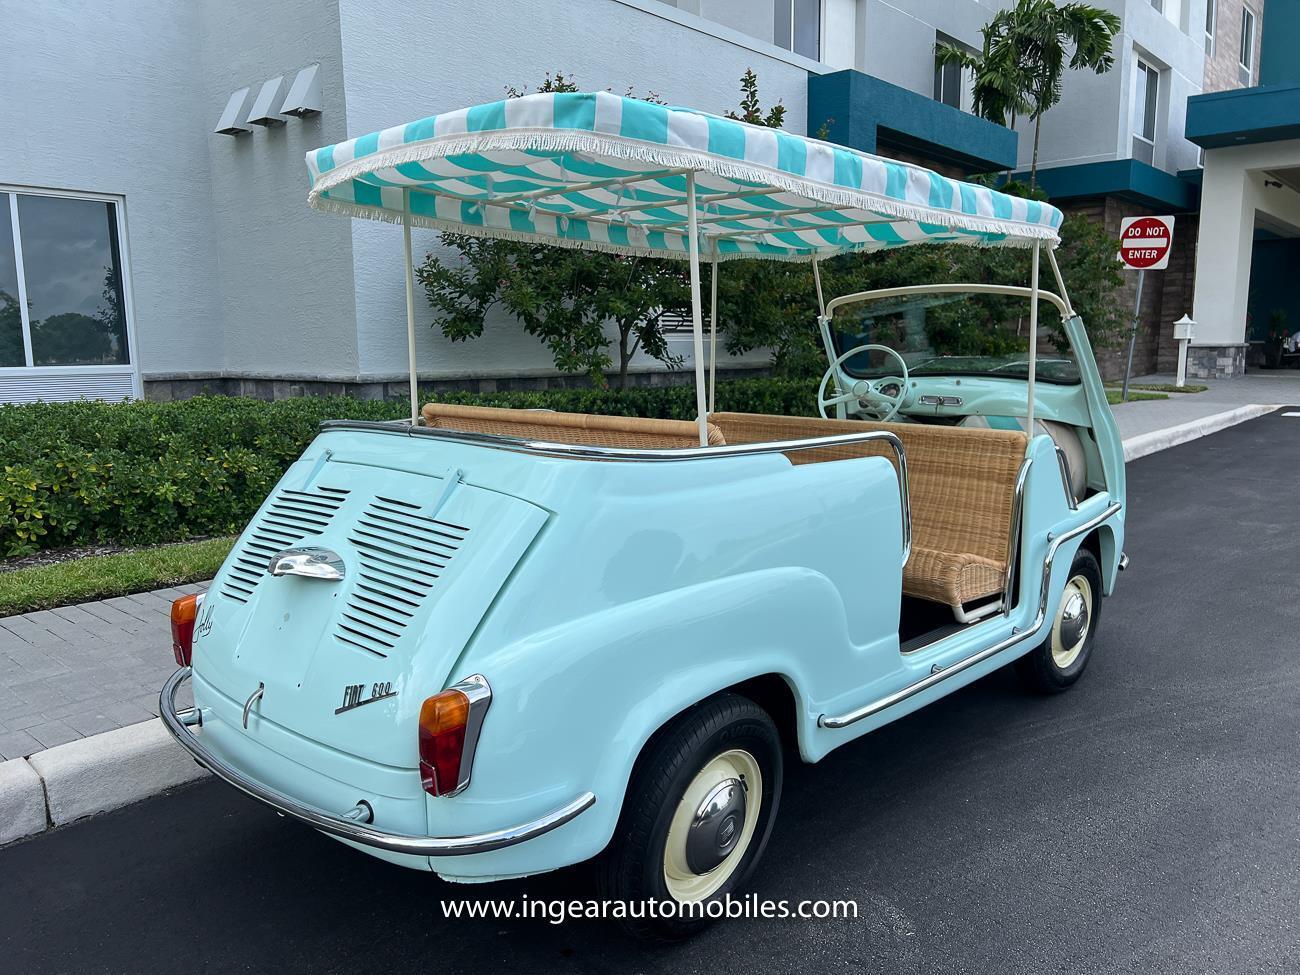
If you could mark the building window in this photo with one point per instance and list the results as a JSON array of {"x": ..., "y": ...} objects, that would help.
[
  {"x": 1210, "y": 21},
  {"x": 1246, "y": 58},
  {"x": 1146, "y": 100},
  {"x": 952, "y": 83},
  {"x": 1159, "y": 5},
  {"x": 61, "y": 294},
  {"x": 798, "y": 27}
]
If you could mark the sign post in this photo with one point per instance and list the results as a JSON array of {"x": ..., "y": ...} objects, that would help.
[{"x": 1144, "y": 245}]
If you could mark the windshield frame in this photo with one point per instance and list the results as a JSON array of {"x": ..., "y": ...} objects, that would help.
[{"x": 832, "y": 347}]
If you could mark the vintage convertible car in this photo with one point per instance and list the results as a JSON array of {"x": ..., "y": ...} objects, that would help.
[{"x": 490, "y": 642}]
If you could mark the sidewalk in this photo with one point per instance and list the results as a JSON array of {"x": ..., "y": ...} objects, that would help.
[
  {"x": 78, "y": 671},
  {"x": 1276, "y": 388}
]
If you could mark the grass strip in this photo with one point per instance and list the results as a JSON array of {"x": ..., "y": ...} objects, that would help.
[
  {"x": 1162, "y": 387},
  {"x": 1115, "y": 396},
  {"x": 104, "y": 576}
]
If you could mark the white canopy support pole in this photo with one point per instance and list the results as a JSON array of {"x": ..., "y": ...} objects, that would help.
[
  {"x": 1033, "y": 335},
  {"x": 697, "y": 316},
  {"x": 713, "y": 331},
  {"x": 1060, "y": 281},
  {"x": 410, "y": 305},
  {"x": 817, "y": 280}
]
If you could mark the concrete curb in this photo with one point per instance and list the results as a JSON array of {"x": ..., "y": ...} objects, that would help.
[
  {"x": 92, "y": 775},
  {"x": 1156, "y": 440},
  {"x": 107, "y": 771}
]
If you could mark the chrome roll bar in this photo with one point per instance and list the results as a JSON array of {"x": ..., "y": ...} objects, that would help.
[
  {"x": 351, "y": 825},
  {"x": 545, "y": 448}
]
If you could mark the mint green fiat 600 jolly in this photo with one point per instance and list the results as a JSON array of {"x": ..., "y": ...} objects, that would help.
[{"x": 490, "y": 643}]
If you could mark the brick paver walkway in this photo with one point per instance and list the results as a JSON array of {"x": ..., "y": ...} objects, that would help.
[{"x": 73, "y": 672}]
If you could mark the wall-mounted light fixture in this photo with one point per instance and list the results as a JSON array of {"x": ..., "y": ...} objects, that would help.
[
  {"x": 268, "y": 97},
  {"x": 304, "y": 94},
  {"x": 233, "y": 117}
]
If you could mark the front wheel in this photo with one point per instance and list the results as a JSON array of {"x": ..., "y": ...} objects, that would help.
[
  {"x": 697, "y": 817},
  {"x": 1059, "y": 660}
]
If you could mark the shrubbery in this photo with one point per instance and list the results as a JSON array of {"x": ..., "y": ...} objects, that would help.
[{"x": 141, "y": 473}]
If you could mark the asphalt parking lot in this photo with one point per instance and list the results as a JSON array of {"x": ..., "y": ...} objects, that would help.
[{"x": 1147, "y": 821}]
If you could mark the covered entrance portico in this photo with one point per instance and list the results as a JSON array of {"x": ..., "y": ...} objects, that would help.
[{"x": 1250, "y": 212}]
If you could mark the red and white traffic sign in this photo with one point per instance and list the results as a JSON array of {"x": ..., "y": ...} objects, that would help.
[{"x": 1145, "y": 242}]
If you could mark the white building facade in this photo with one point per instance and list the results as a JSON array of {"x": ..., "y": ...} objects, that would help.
[{"x": 144, "y": 253}]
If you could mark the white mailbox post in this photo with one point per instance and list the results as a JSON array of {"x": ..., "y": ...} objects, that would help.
[{"x": 1184, "y": 332}]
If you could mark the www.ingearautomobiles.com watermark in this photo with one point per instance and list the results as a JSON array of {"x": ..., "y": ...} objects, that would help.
[{"x": 557, "y": 911}]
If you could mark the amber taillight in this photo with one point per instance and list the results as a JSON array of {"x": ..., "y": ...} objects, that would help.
[
  {"x": 184, "y": 612},
  {"x": 449, "y": 729}
]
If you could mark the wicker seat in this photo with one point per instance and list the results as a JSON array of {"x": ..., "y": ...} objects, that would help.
[
  {"x": 962, "y": 487},
  {"x": 569, "y": 428}
]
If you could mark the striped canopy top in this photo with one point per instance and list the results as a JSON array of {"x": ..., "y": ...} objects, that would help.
[{"x": 607, "y": 172}]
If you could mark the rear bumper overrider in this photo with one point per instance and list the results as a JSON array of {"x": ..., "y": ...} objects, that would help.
[{"x": 352, "y": 825}]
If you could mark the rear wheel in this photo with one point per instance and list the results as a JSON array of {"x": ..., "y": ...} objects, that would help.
[
  {"x": 1060, "y": 660},
  {"x": 697, "y": 817}
]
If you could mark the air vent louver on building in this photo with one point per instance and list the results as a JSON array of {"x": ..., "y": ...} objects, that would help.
[
  {"x": 402, "y": 554},
  {"x": 291, "y": 517}
]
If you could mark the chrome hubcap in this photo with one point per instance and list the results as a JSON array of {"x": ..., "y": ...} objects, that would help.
[
  {"x": 1070, "y": 630},
  {"x": 716, "y": 827},
  {"x": 712, "y": 826}
]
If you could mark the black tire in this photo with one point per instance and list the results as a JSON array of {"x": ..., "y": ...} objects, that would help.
[
  {"x": 632, "y": 869},
  {"x": 1042, "y": 669}
]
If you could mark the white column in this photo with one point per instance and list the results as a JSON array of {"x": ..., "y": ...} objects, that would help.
[
  {"x": 1224, "y": 246},
  {"x": 697, "y": 315}
]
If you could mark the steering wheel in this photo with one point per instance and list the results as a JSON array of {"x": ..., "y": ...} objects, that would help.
[{"x": 868, "y": 397}]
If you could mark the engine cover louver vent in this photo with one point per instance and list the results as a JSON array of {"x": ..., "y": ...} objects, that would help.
[
  {"x": 290, "y": 517},
  {"x": 401, "y": 554}
]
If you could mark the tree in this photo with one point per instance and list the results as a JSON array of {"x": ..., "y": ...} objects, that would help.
[
  {"x": 564, "y": 297},
  {"x": 1023, "y": 61}
]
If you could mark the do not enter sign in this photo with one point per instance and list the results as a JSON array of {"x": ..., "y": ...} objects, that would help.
[{"x": 1145, "y": 242}]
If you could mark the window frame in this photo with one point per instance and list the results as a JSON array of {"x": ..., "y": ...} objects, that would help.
[
  {"x": 118, "y": 203},
  {"x": 964, "y": 79},
  {"x": 1247, "y": 47},
  {"x": 1141, "y": 68},
  {"x": 1211, "y": 27},
  {"x": 821, "y": 29}
]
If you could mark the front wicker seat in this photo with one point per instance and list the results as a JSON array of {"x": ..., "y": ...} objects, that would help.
[
  {"x": 962, "y": 491},
  {"x": 570, "y": 428}
]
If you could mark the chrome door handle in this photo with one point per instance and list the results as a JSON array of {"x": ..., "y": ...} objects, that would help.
[
  {"x": 310, "y": 561},
  {"x": 253, "y": 699}
]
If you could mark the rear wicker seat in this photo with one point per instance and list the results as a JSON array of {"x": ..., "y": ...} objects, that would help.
[
  {"x": 569, "y": 428},
  {"x": 962, "y": 489}
]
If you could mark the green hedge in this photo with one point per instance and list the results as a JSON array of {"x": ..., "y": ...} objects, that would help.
[{"x": 143, "y": 473}]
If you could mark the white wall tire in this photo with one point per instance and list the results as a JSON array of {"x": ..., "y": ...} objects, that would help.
[
  {"x": 697, "y": 816},
  {"x": 1059, "y": 661},
  {"x": 689, "y": 881}
]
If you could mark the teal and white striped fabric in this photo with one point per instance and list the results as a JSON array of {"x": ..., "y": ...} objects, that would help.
[{"x": 602, "y": 171}]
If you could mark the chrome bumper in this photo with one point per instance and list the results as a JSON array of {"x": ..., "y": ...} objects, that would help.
[{"x": 350, "y": 826}]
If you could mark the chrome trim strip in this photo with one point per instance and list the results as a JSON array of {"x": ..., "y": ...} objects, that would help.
[
  {"x": 592, "y": 452},
  {"x": 340, "y": 825},
  {"x": 889, "y": 700},
  {"x": 476, "y": 688},
  {"x": 1064, "y": 463},
  {"x": 1013, "y": 542}
]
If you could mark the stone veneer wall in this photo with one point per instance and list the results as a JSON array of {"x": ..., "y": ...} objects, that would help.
[
  {"x": 169, "y": 388},
  {"x": 1216, "y": 361}
]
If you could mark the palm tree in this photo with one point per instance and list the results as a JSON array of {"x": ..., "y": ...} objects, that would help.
[{"x": 1023, "y": 61}]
